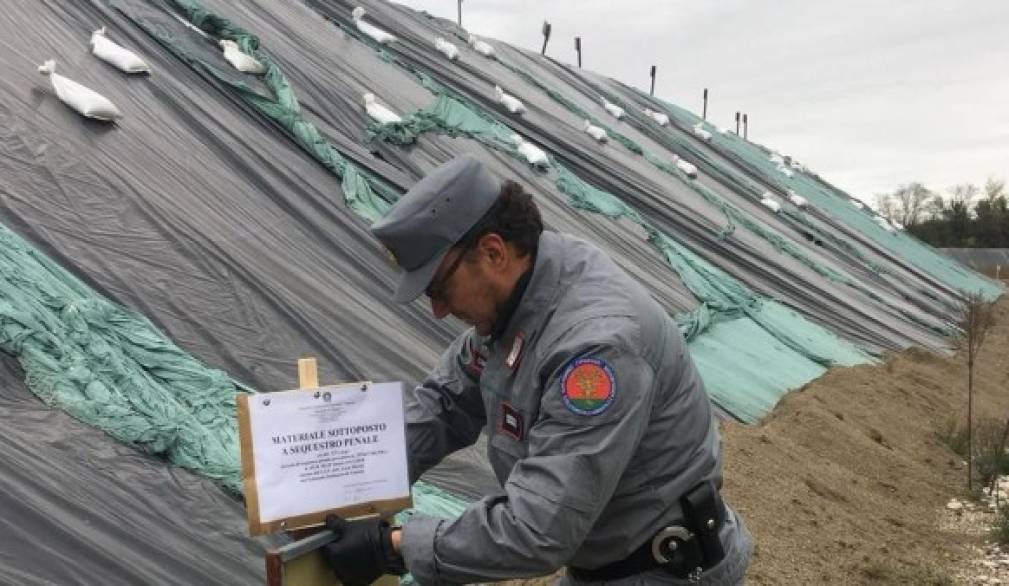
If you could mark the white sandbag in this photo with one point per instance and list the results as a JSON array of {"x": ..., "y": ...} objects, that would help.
[
  {"x": 239, "y": 60},
  {"x": 785, "y": 170},
  {"x": 119, "y": 57},
  {"x": 723, "y": 130},
  {"x": 688, "y": 168},
  {"x": 797, "y": 165},
  {"x": 511, "y": 103},
  {"x": 897, "y": 224},
  {"x": 86, "y": 101},
  {"x": 446, "y": 48},
  {"x": 856, "y": 203},
  {"x": 530, "y": 152},
  {"x": 658, "y": 117},
  {"x": 770, "y": 203},
  {"x": 380, "y": 36},
  {"x": 614, "y": 110},
  {"x": 700, "y": 132},
  {"x": 596, "y": 132},
  {"x": 481, "y": 47},
  {"x": 797, "y": 200},
  {"x": 378, "y": 112},
  {"x": 776, "y": 158},
  {"x": 883, "y": 223}
]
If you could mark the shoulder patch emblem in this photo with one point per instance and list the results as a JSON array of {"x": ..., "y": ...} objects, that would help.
[{"x": 588, "y": 386}]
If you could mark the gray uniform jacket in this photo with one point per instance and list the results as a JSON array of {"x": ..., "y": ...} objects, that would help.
[{"x": 597, "y": 424}]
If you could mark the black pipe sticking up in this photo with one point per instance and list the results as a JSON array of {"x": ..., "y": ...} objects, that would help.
[
  {"x": 578, "y": 48},
  {"x": 704, "y": 114},
  {"x": 737, "y": 123},
  {"x": 745, "y": 127},
  {"x": 546, "y": 37},
  {"x": 651, "y": 92},
  {"x": 460, "y": 13}
]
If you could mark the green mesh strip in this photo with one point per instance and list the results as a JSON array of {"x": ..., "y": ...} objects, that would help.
[
  {"x": 835, "y": 203},
  {"x": 724, "y": 299},
  {"x": 575, "y": 108},
  {"x": 435, "y": 502},
  {"x": 719, "y": 293},
  {"x": 684, "y": 121},
  {"x": 447, "y": 116},
  {"x": 762, "y": 367},
  {"x": 733, "y": 214},
  {"x": 364, "y": 194},
  {"x": 111, "y": 368}
]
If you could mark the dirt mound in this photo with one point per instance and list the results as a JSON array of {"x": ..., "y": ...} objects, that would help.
[{"x": 847, "y": 479}]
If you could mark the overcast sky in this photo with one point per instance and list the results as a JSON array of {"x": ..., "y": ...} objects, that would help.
[{"x": 869, "y": 93}]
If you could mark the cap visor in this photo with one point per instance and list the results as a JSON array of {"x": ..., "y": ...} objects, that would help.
[{"x": 412, "y": 283}]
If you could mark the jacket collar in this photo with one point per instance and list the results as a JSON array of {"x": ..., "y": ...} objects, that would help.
[{"x": 530, "y": 304}]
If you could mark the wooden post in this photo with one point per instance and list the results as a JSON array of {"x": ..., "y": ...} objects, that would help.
[
  {"x": 308, "y": 374},
  {"x": 546, "y": 37}
]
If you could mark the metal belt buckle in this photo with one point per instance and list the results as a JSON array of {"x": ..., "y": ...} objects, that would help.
[{"x": 670, "y": 534}]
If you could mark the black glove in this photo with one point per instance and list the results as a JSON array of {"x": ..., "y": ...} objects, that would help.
[{"x": 362, "y": 551}]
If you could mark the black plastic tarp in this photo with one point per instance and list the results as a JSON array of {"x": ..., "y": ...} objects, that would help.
[
  {"x": 208, "y": 218},
  {"x": 80, "y": 508}
]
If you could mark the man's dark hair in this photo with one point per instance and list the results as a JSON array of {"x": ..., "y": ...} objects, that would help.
[{"x": 513, "y": 216}]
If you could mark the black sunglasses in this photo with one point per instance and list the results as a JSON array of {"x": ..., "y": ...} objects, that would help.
[{"x": 437, "y": 289}]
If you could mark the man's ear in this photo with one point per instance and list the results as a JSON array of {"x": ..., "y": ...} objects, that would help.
[{"x": 494, "y": 248}]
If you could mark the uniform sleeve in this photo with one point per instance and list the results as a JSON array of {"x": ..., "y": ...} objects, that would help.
[
  {"x": 585, "y": 435},
  {"x": 445, "y": 413}
]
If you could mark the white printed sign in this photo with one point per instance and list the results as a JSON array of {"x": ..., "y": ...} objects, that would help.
[{"x": 309, "y": 452}]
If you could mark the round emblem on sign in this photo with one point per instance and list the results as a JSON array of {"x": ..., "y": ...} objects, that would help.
[{"x": 588, "y": 386}]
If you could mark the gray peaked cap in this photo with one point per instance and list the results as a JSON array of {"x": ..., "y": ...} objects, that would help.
[{"x": 431, "y": 217}]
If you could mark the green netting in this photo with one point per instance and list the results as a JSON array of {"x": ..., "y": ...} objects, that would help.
[
  {"x": 762, "y": 367},
  {"x": 111, "y": 368},
  {"x": 836, "y": 204},
  {"x": 364, "y": 194},
  {"x": 718, "y": 292},
  {"x": 576, "y": 109},
  {"x": 447, "y": 116},
  {"x": 723, "y": 298},
  {"x": 432, "y": 500},
  {"x": 741, "y": 185}
]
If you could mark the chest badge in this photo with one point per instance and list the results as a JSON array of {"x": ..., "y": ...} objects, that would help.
[
  {"x": 588, "y": 386},
  {"x": 511, "y": 421},
  {"x": 515, "y": 354}
]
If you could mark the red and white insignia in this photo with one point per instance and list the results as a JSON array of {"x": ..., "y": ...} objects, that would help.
[
  {"x": 511, "y": 421},
  {"x": 515, "y": 354}
]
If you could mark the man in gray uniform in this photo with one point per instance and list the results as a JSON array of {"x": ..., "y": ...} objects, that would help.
[{"x": 599, "y": 428}]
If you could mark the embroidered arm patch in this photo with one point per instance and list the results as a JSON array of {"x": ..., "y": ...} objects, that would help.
[{"x": 588, "y": 386}]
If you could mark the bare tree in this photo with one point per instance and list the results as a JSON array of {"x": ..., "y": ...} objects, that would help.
[
  {"x": 909, "y": 202},
  {"x": 963, "y": 193},
  {"x": 975, "y": 316},
  {"x": 885, "y": 207},
  {"x": 994, "y": 189}
]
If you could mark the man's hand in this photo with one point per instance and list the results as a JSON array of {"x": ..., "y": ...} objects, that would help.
[{"x": 362, "y": 551}]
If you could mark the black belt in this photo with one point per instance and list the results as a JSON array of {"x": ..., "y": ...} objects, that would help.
[{"x": 683, "y": 548}]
